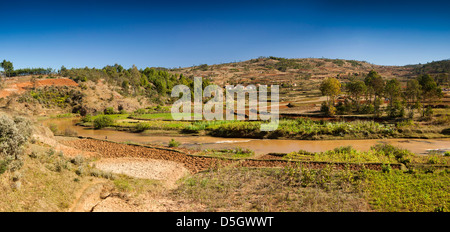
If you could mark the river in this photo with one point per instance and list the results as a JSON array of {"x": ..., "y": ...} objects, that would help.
[{"x": 260, "y": 146}]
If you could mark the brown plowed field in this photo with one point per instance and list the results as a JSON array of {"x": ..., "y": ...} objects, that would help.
[
  {"x": 116, "y": 150},
  {"x": 196, "y": 163}
]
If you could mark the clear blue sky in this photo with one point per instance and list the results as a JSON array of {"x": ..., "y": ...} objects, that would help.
[{"x": 174, "y": 33}]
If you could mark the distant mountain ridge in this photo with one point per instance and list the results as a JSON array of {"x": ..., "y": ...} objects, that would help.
[{"x": 285, "y": 70}]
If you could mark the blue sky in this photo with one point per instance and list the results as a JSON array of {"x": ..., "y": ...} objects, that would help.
[{"x": 181, "y": 34}]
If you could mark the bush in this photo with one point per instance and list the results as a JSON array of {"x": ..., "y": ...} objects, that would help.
[
  {"x": 396, "y": 110},
  {"x": 109, "y": 110},
  {"x": 142, "y": 126},
  {"x": 401, "y": 155},
  {"x": 428, "y": 113},
  {"x": 174, "y": 143},
  {"x": 328, "y": 110},
  {"x": 344, "y": 149},
  {"x": 70, "y": 132},
  {"x": 87, "y": 118},
  {"x": 103, "y": 121},
  {"x": 344, "y": 108},
  {"x": 367, "y": 109},
  {"x": 139, "y": 111},
  {"x": 14, "y": 133}
]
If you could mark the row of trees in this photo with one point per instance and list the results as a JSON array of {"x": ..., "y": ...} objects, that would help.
[
  {"x": 9, "y": 70},
  {"x": 368, "y": 95}
]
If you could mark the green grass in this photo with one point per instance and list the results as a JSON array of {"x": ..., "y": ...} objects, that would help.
[
  {"x": 237, "y": 152},
  {"x": 411, "y": 192},
  {"x": 161, "y": 116},
  {"x": 272, "y": 190},
  {"x": 113, "y": 116},
  {"x": 352, "y": 156},
  {"x": 302, "y": 129},
  {"x": 299, "y": 188},
  {"x": 380, "y": 153},
  {"x": 152, "y": 125}
]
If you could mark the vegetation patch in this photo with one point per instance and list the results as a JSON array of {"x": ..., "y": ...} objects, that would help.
[{"x": 237, "y": 152}]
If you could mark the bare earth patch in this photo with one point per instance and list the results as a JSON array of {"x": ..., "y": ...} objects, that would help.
[{"x": 165, "y": 170}]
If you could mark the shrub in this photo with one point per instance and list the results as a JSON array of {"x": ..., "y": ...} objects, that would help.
[
  {"x": 344, "y": 108},
  {"x": 87, "y": 118},
  {"x": 174, "y": 143},
  {"x": 386, "y": 168},
  {"x": 103, "y": 121},
  {"x": 142, "y": 126},
  {"x": 401, "y": 155},
  {"x": 109, "y": 110},
  {"x": 328, "y": 110},
  {"x": 14, "y": 133},
  {"x": 139, "y": 111},
  {"x": 77, "y": 160},
  {"x": 344, "y": 149},
  {"x": 428, "y": 113},
  {"x": 70, "y": 132},
  {"x": 396, "y": 110},
  {"x": 367, "y": 109}
]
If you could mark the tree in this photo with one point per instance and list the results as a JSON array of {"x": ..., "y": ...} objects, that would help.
[
  {"x": 430, "y": 90},
  {"x": 393, "y": 92},
  {"x": 412, "y": 94},
  {"x": 118, "y": 67},
  {"x": 375, "y": 87},
  {"x": 330, "y": 87},
  {"x": 375, "y": 84},
  {"x": 8, "y": 67},
  {"x": 356, "y": 90}
]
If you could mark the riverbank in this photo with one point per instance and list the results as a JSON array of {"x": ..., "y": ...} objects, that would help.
[
  {"x": 66, "y": 126},
  {"x": 295, "y": 129}
]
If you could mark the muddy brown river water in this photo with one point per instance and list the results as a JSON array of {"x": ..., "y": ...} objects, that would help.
[{"x": 260, "y": 146}]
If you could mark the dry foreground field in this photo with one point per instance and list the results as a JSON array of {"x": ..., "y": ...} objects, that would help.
[{"x": 49, "y": 167}]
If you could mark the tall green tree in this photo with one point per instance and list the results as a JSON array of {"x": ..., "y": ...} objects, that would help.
[
  {"x": 7, "y": 67},
  {"x": 375, "y": 87},
  {"x": 375, "y": 84},
  {"x": 330, "y": 87},
  {"x": 356, "y": 89},
  {"x": 393, "y": 92},
  {"x": 412, "y": 95},
  {"x": 430, "y": 90}
]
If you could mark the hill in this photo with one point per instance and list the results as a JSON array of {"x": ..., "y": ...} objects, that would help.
[
  {"x": 276, "y": 70},
  {"x": 92, "y": 90}
]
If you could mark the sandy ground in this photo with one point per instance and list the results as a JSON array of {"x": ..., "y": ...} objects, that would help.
[
  {"x": 167, "y": 171},
  {"x": 100, "y": 200}
]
